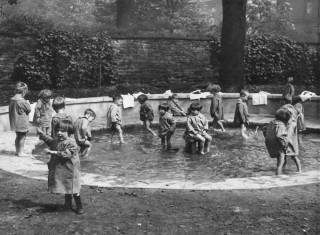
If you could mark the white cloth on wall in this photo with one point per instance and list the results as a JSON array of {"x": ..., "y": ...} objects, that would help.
[
  {"x": 305, "y": 95},
  {"x": 197, "y": 95},
  {"x": 260, "y": 98},
  {"x": 128, "y": 101}
]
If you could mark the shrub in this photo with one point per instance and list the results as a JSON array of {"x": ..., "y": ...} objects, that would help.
[
  {"x": 270, "y": 60},
  {"x": 63, "y": 59}
]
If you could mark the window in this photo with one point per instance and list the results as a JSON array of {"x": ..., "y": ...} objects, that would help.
[{"x": 308, "y": 7}]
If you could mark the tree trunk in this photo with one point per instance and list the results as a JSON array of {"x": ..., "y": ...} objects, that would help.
[
  {"x": 233, "y": 38},
  {"x": 123, "y": 13}
]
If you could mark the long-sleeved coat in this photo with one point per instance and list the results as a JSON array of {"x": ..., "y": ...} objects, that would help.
[
  {"x": 196, "y": 125},
  {"x": 241, "y": 115},
  {"x": 43, "y": 111},
  {"x": 166, "y": 124},
  {"x": 114, "y": 115},
  {"x": 288, "y": 92},
  {"x": 276, "y": 138},
  {"x": 64, "y": 167},
  {"x": 82, "y": 130},
  {"x": 146, "y": 112},
  {"x": 19, "y": 109},
  {"x": 216, "y": 108}
]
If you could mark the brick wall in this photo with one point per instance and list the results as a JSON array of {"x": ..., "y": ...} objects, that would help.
[
  {"x": 147, "y": 61},
  {"x": 11, "y": 48}
]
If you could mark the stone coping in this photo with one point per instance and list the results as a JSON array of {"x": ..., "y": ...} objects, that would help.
[{"x": 4, "y": 109}]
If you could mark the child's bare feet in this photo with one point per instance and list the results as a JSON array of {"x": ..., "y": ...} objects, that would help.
[{"x": 202, "y": 153}]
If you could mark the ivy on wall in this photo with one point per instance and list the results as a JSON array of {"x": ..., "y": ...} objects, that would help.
[
  {"x": 271, "y": 60},
  {"x": 63, "y": 59}
]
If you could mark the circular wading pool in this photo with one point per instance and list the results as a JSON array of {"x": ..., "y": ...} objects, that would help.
[{"x": 230, "y": 157}]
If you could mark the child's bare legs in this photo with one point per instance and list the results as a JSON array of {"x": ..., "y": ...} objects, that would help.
[
  {"x": 163, "y": 142},
  {"x": 46, "y": 130},
  {"x": 208, "y": 140},
  {"x": 19, "y": 142},
  {"x": 297, "y": 162},
  {"x": 280, "y": 162},
  {"x": 169, "y": 135},
  {"x": 85, "y": 149},
  {"x": 119, "y": 129},
  {"x": 243, "y": 131},
  {"x": 146, "y": 125},
  {"x": 201, "y": 143},
  {"x": 221, "y": 126}
]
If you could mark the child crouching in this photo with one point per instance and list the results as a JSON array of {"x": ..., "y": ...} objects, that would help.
[
  {"x": 197, "y": 126},
  {"x": 64, "y": 165},
  {"x": 277, "y": 141},
  {"x": 167, "y": 126},
  {"x": 82, "y": 132}
]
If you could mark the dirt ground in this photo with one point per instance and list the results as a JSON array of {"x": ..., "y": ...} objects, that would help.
[{"x": 26, "y": 208}]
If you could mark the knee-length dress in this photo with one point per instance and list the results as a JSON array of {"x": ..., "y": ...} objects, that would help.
[
  {"x": 64, "y": 167},
  {"x": 216, "y": 108},
  {"x": 292, "y": 130},
  {"x": 43, "y": 111}
]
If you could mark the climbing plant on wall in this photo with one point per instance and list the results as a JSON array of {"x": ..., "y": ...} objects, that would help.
[{"x": 63, "y": 59}]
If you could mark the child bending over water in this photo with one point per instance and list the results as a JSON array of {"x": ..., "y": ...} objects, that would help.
[
  {"x": 174, "y": 106},
  {"x": 197, "y": 126}
]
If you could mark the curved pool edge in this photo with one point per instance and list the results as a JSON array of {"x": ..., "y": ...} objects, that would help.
[{"x": 32, "y": 168}]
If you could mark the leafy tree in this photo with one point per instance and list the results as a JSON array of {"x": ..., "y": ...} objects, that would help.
[{"x": 269, "y": 17}]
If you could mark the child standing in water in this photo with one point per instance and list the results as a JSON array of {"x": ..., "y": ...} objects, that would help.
[
  {"x": 167, "y": 126},
  {"x": 146, "y": 113},
  {"x": 277, "y": 142},
  {"x": 114, "y": 118},
  {"x": 82, "y": 132},
  {"x": 19, "y": 109},
  {"x": 64, "y": 164},
  {"x": 174, "y": 106},
  {"x": 197, "y": 126},
  {"x": 58, "y": 105},
  {"x": 43, "y": 111},
  {"x": 216, "y": 107},
  {"x": 241, "y": 115}
]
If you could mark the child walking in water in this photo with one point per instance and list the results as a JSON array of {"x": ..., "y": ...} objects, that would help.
[
  {"x": 58, "y": 105},
  {"x": 43, "y": 111},
  {"x": 64, "y": 164},
  {"x": 216, "y": 107},
  {"x": 146, "y": 113},
  {"x": 277, "y": 142},
  {"x": 241, "y": 115},
  {"x": 167, "y": 126},
  {"x": 82, "y": 132},
  {"x": 19, "y": 109},
  {"x": 174, "y": 106},
  {"x": 197, "y": 126},
  {"x": 114, "y": 118}
]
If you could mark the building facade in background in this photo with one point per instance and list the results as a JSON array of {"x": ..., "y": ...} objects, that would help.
[{"x": 306, "y": 19}]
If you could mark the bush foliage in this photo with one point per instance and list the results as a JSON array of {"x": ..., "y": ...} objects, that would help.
[
  {"x": 271, "y": 60},
  {"x": 63, "y": 59}
]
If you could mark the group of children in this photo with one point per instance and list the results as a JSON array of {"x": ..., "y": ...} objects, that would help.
[{"x": 64, "y": 164}]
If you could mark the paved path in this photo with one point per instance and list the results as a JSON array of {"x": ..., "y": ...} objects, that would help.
[{"x": 33, "y": 168}]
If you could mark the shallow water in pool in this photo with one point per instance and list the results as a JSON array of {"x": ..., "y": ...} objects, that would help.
[{"x": 230, "y": 157}]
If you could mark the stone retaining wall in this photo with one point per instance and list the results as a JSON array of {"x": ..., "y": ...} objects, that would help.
[{"x": 100, "y": 105}]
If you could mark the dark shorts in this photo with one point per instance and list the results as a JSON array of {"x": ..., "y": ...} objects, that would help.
[
  {"x": 114, "y": 126},
  {"x": 22, "y": 132}
]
